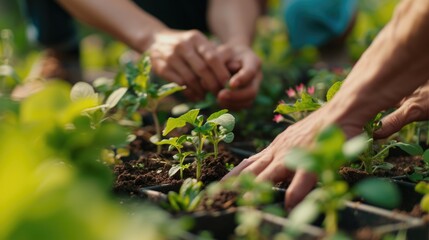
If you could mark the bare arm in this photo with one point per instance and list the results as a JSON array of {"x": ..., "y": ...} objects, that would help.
[
  {"x": 234, "y": 21},
  {"x": 393, "y": 66},
  {"x": 120, "y": 18}
]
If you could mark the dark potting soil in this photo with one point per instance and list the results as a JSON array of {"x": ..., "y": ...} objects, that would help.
[
  {"x": 222, "y": 201},
  {"x": 152, "y": 169},
  {"x": 402, "y": 166}
]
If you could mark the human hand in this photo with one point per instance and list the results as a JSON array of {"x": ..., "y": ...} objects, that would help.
[
  {"x": 189, "y": 58},
  {"x": 411, "y": 109},
  {"x": 247, "y": 76},
  {"x": 268, "y": 165}
]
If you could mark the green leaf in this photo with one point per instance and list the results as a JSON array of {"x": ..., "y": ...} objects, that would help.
[
  {"x": 415, "y": 177},
  {"x": 173, "y": 170},
  {"x": 426, "y": 156},
  {"x": 379, "y": 192},
  {"x": 171, "y": 141},
  {"x": 173, "y": 123},
  {"x": 217, "y": 114},
  {"x": 412, "y": 149},
  {"x": 115, "y": 97},
  {"x": 228, "y": 138},
  {"x": 355, "y": 146},
  {"x": 82, "y": 90},
  {"x": 169, "y": 89},
  {"x": 306, "y": 104},
  {"x": 422, "y": 187},
  {"x": 424, "y": 203},
  {"x": 225, "y": 120},
  {"x": 333, "y": 90},
  {"x": 305, "y": 213},
  {"x": 299, "y": 158}
]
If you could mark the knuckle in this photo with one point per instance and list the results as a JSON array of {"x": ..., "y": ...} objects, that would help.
[
  {"x": 201, "y": 68},
  {"x": 415, "y": 111}
]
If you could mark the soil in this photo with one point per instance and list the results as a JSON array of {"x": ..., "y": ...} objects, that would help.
[
  {"x": 152, "y": 169},
  {"x": 402, "y": 166},
  {"x": 366, "y": 234},
  {"x": 221, "y": 201}
]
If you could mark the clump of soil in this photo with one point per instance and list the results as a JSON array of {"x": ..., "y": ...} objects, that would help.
[
  {"x": 152, "y": 169},
  {"x": 366, "y": 233},
  {"x": 402, "y": 166},
  {"x": 221, "y": 201}
]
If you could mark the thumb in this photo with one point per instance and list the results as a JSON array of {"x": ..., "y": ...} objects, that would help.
[{"x": 394, "y": 122}]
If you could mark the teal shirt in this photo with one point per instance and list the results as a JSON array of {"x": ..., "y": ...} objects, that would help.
[{"x": 316, "y": 22}]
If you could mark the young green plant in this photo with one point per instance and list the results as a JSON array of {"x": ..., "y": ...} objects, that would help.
[
  {"x": 218, "y": 127},
  {"x": 177, "y": 143},
  {"x": 97, "y": 114},
  {"x": 188, "y": 198}
]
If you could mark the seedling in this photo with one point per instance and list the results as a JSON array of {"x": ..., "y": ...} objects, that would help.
[
  {"x": 188, "y": 198},
  {"x": 329, "y": 153},
  {"x": 142, "y": 92},
  {"x": 305, "y": 103},
  {"x": 218, "y": 127},
  {"x": 229, "y": 166},
  {"x": 177, "y": 143},
  {"x": 373, "y": 156},
  {"x": 97, "y": 114},
  {"x": 421, "y": 173},
  {"x": 146, "y": 94}
]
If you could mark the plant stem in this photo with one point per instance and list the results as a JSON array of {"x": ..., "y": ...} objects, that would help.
[
  {"x": 158, "y": 129},
  {"x": 215, "y": 148},
  {"x": 331, "y": 222}
]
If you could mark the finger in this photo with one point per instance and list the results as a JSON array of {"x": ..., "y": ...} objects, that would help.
[
  {"x": 250, "y": 69},
  {"x": 244, "y": 164},
  {"x": 258, "y": 166},
  {"x": 215, "y": 62},
  {"x": 275, "y": 172},
  {"x": 238, "y": 95},
  {"x": 189, "y": 78},
  {"x": 200, "y": 68},
  {"x": 234, "y": 66},
  {"x": 162, "y": 69},
  {"x": 398, "y": 119},
  {"x": 300, "y": 186},
  {"x": 225, "y": 53}
]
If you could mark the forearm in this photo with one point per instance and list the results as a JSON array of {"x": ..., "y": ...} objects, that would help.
[
  {"x": 233, "y": 21},
  {"x": 120, "y": 18},
  {"x": 393, "y": 67}
]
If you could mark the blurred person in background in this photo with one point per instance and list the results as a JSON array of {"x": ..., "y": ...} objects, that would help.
[{"x": 322, "y": 24}]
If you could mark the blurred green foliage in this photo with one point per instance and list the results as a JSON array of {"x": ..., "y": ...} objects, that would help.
[{"x": 53, "y": 182}]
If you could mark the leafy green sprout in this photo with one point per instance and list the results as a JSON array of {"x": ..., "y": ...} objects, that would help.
[
  {"x": 421, "y": 173},
  {"x": 97, "y": 114},
  {"x": 177, "y": 143},
  {"x": 329, "y": 153},
  {"x": 218, "y": 127},
  {"x": 306, "y": 104},
  {"x": 229, "y": 166},
  {"x": 188, "y": 198},
  {"x": 146, "y": 94},
  {"x": 373, "y": 156}
]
